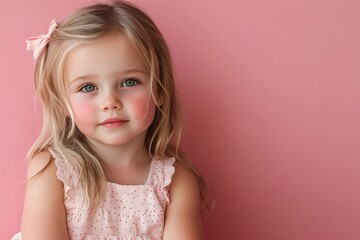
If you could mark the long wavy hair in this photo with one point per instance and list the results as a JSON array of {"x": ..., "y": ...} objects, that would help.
[{"x": 59, "y": 131}]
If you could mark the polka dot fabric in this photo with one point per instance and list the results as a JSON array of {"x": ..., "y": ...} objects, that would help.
[{"x": 127, "y": 212}]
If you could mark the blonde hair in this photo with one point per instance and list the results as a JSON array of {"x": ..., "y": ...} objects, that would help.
[{"x": 59, "y": 130}]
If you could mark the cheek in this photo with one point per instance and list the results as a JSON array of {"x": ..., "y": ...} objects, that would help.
[
  {"x": 143, "y": 107},
  {"x": 83, "y": 111}
]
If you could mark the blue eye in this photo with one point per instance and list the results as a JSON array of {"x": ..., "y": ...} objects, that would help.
[
  {"x": 88, "y": 88},
  {"x": 129, "y": 82}
]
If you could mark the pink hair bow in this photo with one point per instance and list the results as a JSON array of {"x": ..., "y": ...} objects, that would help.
[{"x": 37, "y": 44}]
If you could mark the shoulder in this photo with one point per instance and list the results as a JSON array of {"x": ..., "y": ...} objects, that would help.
[
  {"x": 44, "y": 211},
  {"x": 184, "y": 189},
  {"x": 183, "y": 218},
  {"x": 42, "y": 177},
  {"x": 41, "y": 162},
  {"x": 175, "y": 177},
  {"x": 184, "y": 180}
]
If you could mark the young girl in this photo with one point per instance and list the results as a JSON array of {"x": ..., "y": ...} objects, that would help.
[{"x": 106, "y": 164}]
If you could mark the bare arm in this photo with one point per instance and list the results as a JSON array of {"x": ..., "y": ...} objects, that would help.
[
  {"x": 44, "y": 215},
  {"x": 182, "y": 219}
]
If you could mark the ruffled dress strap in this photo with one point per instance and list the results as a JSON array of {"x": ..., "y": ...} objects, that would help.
[
  {"x": 161, "y": 175},
  {"x": 66, "y": 172}
]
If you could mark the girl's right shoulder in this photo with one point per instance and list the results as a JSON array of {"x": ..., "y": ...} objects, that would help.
[
  {"x": 41, "y": 164},
  {"x": 44, "y": 213},
  {"x": 42, "y": 179}
]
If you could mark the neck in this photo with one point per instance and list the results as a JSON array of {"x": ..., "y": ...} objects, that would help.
[
  {"x": 127, "y": 164},
  {"x": 125, "y": 155}
]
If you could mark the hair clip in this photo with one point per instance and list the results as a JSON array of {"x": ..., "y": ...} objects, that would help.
[{"x": 37, "y": 44}]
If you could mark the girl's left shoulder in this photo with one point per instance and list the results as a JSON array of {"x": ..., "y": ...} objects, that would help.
[
  {"x": 183, "y": 214},
  {"x": 184, "y": 181}
]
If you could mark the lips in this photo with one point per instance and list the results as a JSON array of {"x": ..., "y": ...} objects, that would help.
[{"x": 113, "y": 122}]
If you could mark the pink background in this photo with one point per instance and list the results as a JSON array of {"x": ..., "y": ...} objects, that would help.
[{"x": 271, "y": 94}]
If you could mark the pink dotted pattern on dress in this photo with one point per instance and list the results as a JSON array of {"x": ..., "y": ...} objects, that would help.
[{"x": 126, "y": 212}]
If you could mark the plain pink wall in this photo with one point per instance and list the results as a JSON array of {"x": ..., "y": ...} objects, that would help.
[{"x": 271, "y": 96}]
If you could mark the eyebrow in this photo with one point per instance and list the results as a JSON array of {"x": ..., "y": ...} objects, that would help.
[
  {"x": 85, "y": 77},
  {"x": 133, "y": 71},
  {"x": 92, "y": 76}
]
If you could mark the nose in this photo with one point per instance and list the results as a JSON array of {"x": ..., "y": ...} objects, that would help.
[{"x": 111, "y": 102}]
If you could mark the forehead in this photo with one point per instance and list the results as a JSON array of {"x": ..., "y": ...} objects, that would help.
[{"x": 108, "y": 55}]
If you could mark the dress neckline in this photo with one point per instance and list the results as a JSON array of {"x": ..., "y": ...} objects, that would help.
[{"x": 135, "y": 185}]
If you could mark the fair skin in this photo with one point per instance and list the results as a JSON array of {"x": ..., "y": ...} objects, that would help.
[
  {"x": 44, "y": 215},
  {"x": 108, "y": 88}
]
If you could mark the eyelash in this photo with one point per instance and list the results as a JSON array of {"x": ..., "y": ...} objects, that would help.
[
  {"x": 82, "y": 88},
  {"x": 134, "y": 80},
  {"x": 123, "y": 84}
]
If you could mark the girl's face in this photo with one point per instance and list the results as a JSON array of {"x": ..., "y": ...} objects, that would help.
[{"x": 109, "y": 91}]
